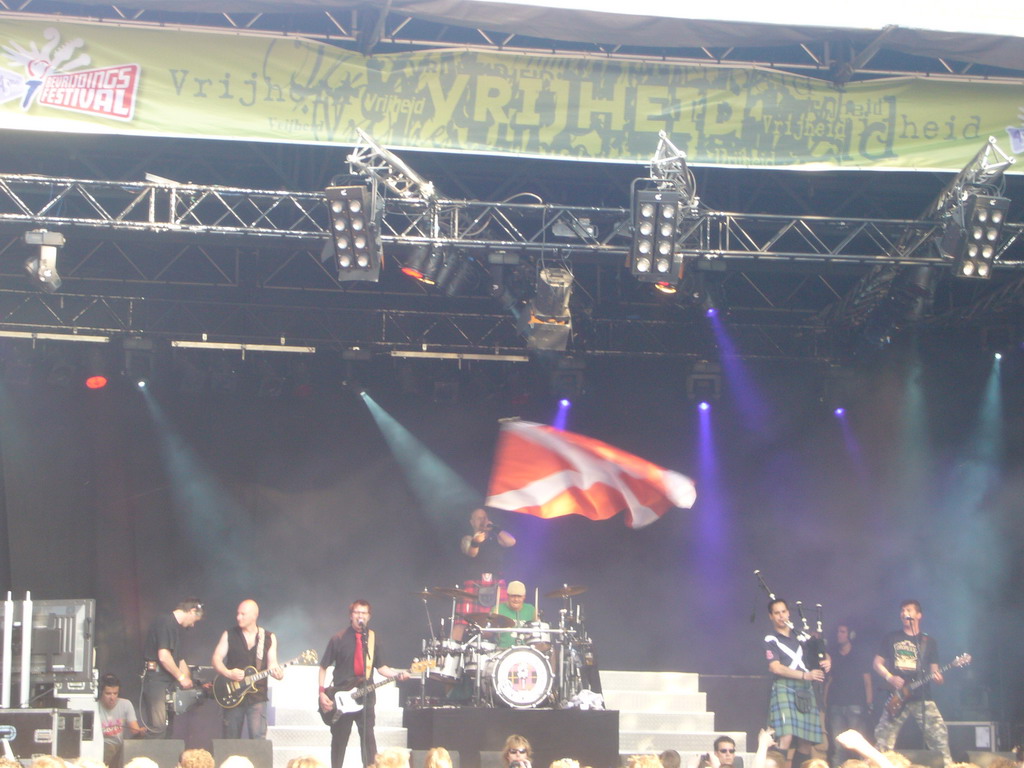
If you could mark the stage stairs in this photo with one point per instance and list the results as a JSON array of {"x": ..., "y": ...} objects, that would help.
[{"x": 657, "y": 711}]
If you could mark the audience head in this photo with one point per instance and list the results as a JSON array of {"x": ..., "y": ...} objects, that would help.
[
  {"x": 50, "y": 761},
  {"x": 237, "y": 761},
  {"x": 670, "y": 759},
  {"x": 897, "y": 759},
  {"x": 643, "y": 761},
  {"x": 774, "y": 759},
  {"x": 565, "y": 762},
  {"x": 517, "y": 750},
  {"x": 814, "y": 762},
  {"x": 438, "y": 757},
  {"x": 141, "y": 762},
  {"x": 725, "y": 749},
  {"x": 195, "y": 758},
  {"x": 306, "y": 761},
  {"x": 392, "y": 757}
]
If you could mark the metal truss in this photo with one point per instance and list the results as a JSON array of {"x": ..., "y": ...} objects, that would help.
[
  {"x": 383, "y": 330},
  {"x": 586, "y": 233},
  {"x": 181, "y": 260}
]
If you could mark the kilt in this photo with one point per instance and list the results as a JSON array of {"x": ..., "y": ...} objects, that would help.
[{"x": 786, "y": 719}]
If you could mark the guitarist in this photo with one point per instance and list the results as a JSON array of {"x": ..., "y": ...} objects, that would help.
[
  {"x": 906, "y": 656},
  {"x": 247, "y": 646},
  {"x": 354, "y": 652}
]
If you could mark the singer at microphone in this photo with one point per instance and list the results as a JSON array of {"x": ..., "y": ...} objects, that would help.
[
  {"x": 354, "y": 652},
  {"x": 908, "y": 662}
]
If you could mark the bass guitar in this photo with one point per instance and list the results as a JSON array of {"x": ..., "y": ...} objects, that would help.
[
  {"x": 230, "y": 693},
  {"x": 348, "y": 696},
  {"x": 898, "y": 698}
]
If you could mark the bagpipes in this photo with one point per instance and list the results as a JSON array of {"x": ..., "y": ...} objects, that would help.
[{"x": 813, "y": 642}]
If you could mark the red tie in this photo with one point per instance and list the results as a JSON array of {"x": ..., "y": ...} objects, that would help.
[{"x": 359, "y": 663}]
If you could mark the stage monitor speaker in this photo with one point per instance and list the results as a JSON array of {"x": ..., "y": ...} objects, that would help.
[
  {"x": 971, "y": 735},
  {"x": 164, "y": 752},
  {"x": 930, "y": 758},
  {"x": 982, "y": 759},
  {"x": 418, "y": 758},
  {"x": 260, "y": 751}
]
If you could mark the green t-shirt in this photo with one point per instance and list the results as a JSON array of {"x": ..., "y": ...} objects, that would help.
[{"x": 525, "y": 615}]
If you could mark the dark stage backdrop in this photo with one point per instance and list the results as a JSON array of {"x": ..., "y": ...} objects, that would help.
[{"x": 300, "y": 503}]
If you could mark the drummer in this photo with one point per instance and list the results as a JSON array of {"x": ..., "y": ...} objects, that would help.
[{"x": 517, "y": 609}]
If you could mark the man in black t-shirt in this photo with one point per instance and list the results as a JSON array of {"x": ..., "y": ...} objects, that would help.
[
  {"x": 354, "y": 653},
  {"x": 847, "y": 692},
  {"x": 907, "y": 656},
  {"x": 165, "y": 663}
]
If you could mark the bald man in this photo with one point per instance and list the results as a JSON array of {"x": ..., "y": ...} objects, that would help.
[{"x": 247, "y": 645}]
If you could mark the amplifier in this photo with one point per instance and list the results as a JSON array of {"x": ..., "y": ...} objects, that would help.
[{"x": 42, "y": 732}]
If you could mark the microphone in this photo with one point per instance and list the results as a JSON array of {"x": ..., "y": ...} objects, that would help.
[{"x": 361, "y": 625}]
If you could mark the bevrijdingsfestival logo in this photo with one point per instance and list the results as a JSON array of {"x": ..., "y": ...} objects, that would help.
[{"x": 55, "y": 75}]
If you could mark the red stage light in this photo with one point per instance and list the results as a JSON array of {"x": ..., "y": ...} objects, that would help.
[{"x": 96, "y": 382}]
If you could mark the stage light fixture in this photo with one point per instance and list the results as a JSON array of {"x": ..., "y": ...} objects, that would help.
[
  {"x": 458, "y": 274},
  {"x": 42, "y": 268},
  {"x": 354, "y": 235},
  {"x": 96, "y": 370},
  {"x": 704, "y": 382},
  {"x": 653, "y": 257},
  {"x": 548, "y": 323},
  {"x": 971, "y": 237},
  {"x": 423, "y": 263}
]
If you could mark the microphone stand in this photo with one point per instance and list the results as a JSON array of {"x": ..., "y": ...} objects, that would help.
[{"x": 364, "y": 737}]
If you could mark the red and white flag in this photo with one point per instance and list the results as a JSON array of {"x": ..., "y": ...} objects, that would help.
[{"x": 547, "y": 472}]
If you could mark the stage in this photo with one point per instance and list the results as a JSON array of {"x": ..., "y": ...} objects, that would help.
[{"x": 592, "y": 737}]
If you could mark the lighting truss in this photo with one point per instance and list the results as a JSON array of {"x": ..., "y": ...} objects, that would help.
[
  {"x": 669, "y": 170},
  {"x": 215, "y": 213},
  {"x": 982, "y": 175},
  {"x": 381, "y": 164}
]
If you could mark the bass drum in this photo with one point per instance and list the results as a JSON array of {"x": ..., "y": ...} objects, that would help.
[{"x": 520, "y": 676}]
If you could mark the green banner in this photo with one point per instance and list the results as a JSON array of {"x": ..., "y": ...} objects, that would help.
[{"x": 81, "y": 77}]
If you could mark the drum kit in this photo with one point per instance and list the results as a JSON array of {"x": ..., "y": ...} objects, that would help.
[{"x": 544, "y": 666}]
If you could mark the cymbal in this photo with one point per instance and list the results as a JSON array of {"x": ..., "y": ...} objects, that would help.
[
  {"x": 458, "y": 594},
  {"x": 567, "y": 591},
  {"x": 488, "y": 620}
]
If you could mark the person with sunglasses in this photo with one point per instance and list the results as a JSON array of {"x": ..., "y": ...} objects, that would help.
[
  {"x": 725, "y": 750},
  {"x": 722, "y": 755},
  {"x": 517, "y": 752}
]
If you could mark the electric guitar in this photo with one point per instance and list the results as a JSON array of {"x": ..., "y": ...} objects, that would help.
[
  {"x": 898, "y": 698},
  {"x": 347, "y": 695},
  {"x": 230, "y": 693}
]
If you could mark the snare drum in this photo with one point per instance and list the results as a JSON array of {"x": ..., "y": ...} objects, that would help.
[
  {"x": 520, "y": 676},
  {"x": 448, "y": 658}
]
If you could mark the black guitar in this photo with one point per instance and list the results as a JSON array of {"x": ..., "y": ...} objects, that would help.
[
  {"x": 348, "y": 697},
  {"x": 229, "y": 693}
]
